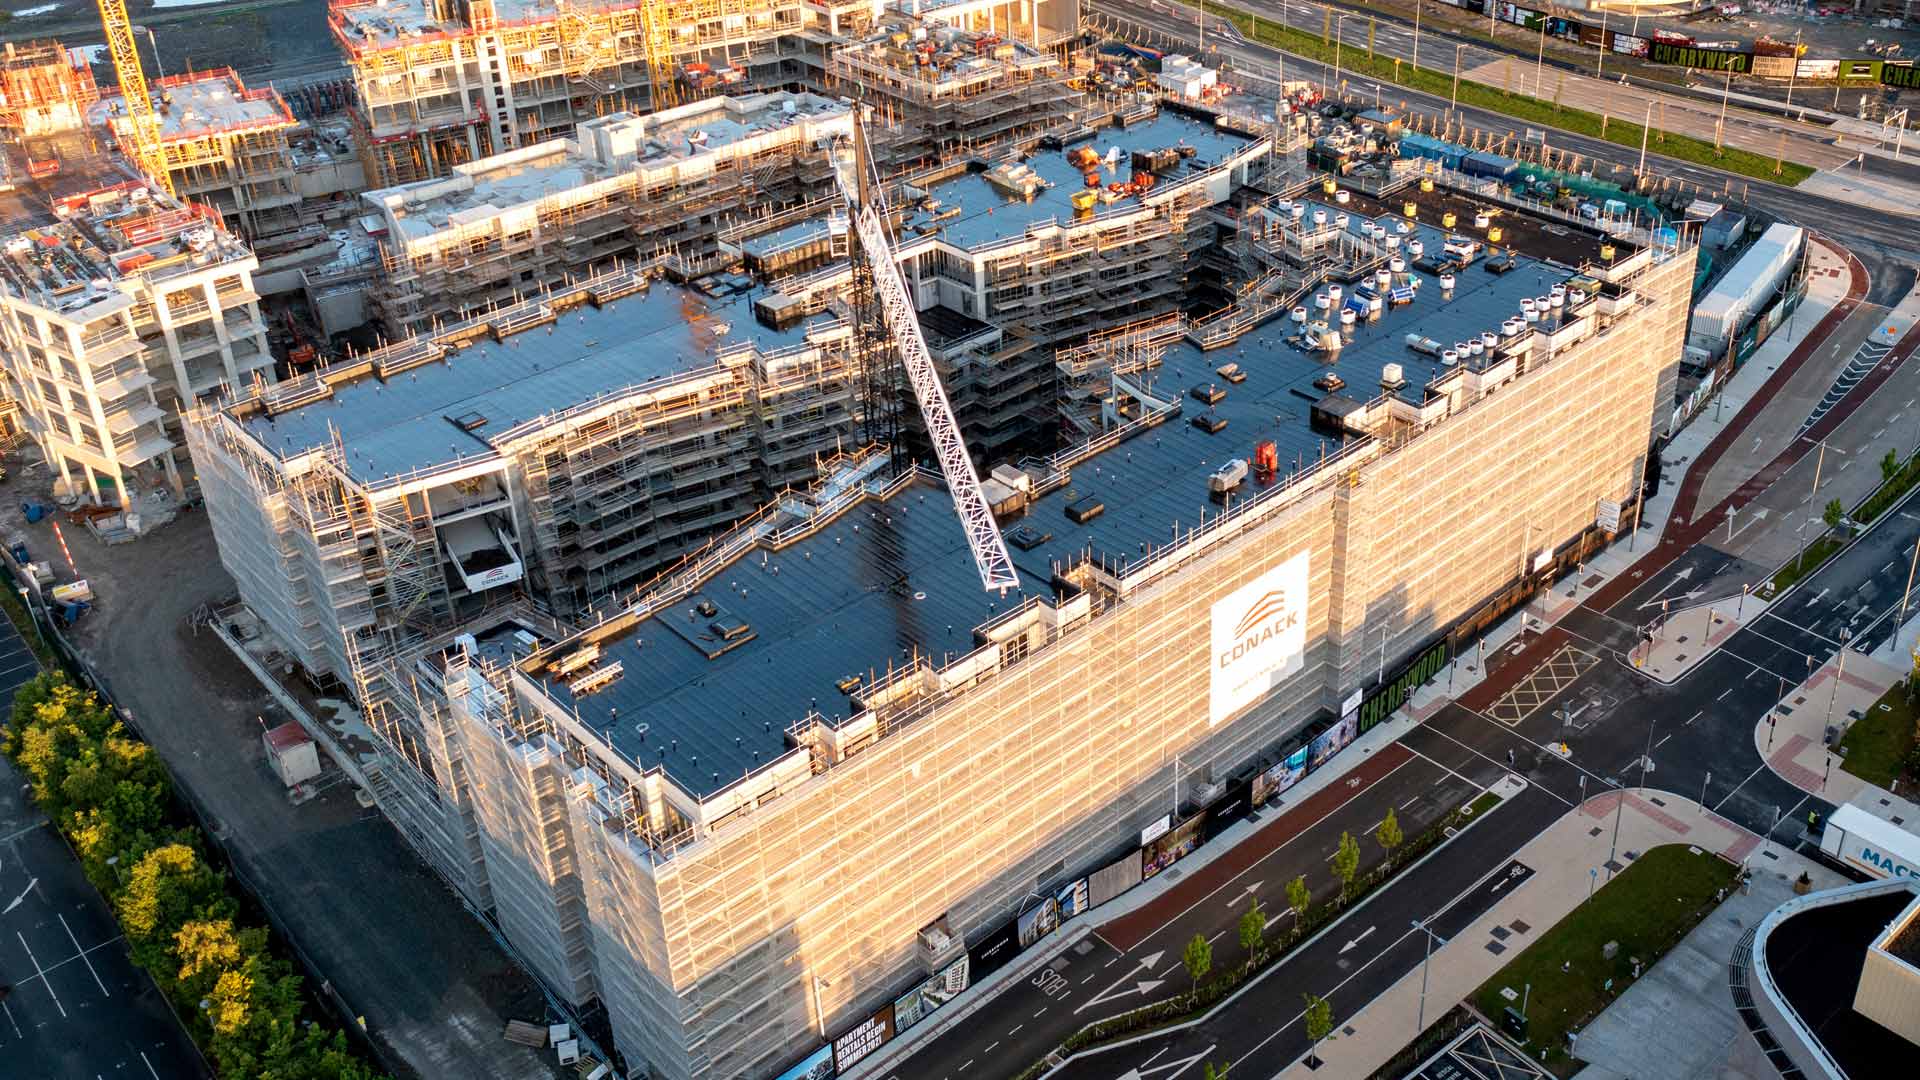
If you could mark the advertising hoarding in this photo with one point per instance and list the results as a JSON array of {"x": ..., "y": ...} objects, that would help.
[
  {"x": 916, "y": 1004},
  {"x": 1774, "y": 67},
  {"x": 1171, "y": 848},
  {"x": 1629, "y": 45},
  {"x": 1905, "y": 76},
  {"x": 1331, "y": 741},
  {"x": 1113, "y": 879},
  {"x": 1038, "y": 921},
  {"x": 1279, "y": 778},
  {"x": 1693, "y": 56},
  {"x": 1259, "y": 638},
  {"x": 1818, "y": 69},
  {"x": 1156, "y": 830},
  {"x": 864, "y": 1038},
  {"x": 994, "y": 950},
  {"x": 815, "y": 1066},
  {"x": 1072, "y": 899},
  {"x": 1384, "y": 701}
]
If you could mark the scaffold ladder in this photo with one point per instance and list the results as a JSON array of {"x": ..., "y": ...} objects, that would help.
[{"x": 976, "y": 516}]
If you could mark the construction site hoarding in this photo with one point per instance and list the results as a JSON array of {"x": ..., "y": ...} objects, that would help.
[{"x": 1113, "y": 879}]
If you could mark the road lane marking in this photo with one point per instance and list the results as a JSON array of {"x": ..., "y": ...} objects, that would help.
[
  {"x": 1694, "y": 717},
  {"x": 40, "y": 974},
  {"x": 150, "y": 1069},
  {"x": 83, "y": 956}
]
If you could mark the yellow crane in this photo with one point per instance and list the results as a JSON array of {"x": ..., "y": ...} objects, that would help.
[{"x": 142, "y": 125}]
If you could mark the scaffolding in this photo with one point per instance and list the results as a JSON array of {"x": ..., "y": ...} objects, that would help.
[{"x": 43, "y": 91}]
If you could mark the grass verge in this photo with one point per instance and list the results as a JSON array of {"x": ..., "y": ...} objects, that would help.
[
  {"x": 1807, "y": 562},
  {"x": 1878, "y": 747},
  {"x": 1354, "y": 61},
  {"x": 1647, "y": 909},
  {"x": 1890, "y": 491}
]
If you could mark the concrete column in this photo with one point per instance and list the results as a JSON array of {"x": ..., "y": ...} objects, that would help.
[
  {"x": 93, "y": 487},
  {"x": 66, "y": 474},
  {"x": 173, "y": 475}
]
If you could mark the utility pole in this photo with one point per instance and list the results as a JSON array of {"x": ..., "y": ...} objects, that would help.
[
  {"x": 1646, "y": 128},
  {"x": 1418, "y": 6},
  {"x": 1420, "y": 1023},
  {"x": 1454, "y": 109},
  {"x": 1540, "y": 56},
  {"x": 1720, "y": 129}
]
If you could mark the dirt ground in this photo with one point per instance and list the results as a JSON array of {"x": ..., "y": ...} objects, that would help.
[{"x": 394, "y": 942}]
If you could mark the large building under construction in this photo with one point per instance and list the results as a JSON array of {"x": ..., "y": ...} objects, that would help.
[
  {"x": 442, "y": 82},
  {"x": 780, "y": 788}
]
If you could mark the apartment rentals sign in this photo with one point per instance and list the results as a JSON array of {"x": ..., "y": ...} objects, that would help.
[{"x": 1259, "y": 637}]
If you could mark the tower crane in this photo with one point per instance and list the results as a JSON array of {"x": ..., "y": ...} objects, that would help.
[
  {"x": 144, "y": 126},
  {"x": 867, "y": 206}
]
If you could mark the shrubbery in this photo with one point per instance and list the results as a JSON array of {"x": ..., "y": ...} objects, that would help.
[{"x": 110, "y": 796}]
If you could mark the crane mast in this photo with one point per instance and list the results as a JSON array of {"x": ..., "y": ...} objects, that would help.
[
  {"x": 867, "y": 206},
  {"x": 145, "y": 127}
]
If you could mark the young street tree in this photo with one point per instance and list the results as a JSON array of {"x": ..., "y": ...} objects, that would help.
[
  {"x": 1889, "y": 465},
  {"x": 1319, "y": 1025},
  {"x": 1198, "y": 958},
  {"x": 1389, "y": 834},
  {"x": 1834, "y": 514},
  {"x": 1216, "y": 1072},
  {"x": 1299, "y": 898},
  {"x": 1253, "y": 929},
  {"x": 1346, "y": 862}
]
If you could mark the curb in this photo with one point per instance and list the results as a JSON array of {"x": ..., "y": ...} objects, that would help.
[{"x": 1510, "y": 786}]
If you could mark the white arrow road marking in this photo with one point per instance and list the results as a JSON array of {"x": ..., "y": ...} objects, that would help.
[
  {"x": 1685, "y": 598},
  {"x": 1356, "y": 941},
  {"x": 21, "y": 897},
  {"x": 1171, "y": 1068},
  {"x": 1679, "y": 578},
  {"x": 1140, "y": 986}
]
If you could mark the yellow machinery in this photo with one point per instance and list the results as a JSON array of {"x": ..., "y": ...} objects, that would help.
[{"x": 141, "y": 123}]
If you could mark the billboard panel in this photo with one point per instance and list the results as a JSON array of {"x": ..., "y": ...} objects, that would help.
[
  {"x": 1628, "y": 45},
  {"x": 1259, "y": 637},
  {"x": 815, "y": 1066},
  {"x": 1038, "y": 921},
  {"x": 1176, "y": 845},
  {"x": 1072, "y": 899},
  {"x": 1332, "y": 741},
  {"x": 1905, "y": 76},
  {"x": 994, "y": 950},
  {"x": 866, "y": 1037},
  {"x": 1113, "y": 879},
  {"x": 1773, "y": 67},
  {"x": 1398, "y": 689},
  {"x": 1819, "y": 69},
  {"x": 1693, "y": 56}
]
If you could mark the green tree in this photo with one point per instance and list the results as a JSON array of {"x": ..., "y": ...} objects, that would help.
[
  {"x": 1198, "y": 958},
  {"x": 1389, "y": 834},
  {"x": 1834, "y": 514},
  {"x": 1253, "y": 929},
  {"x": 1889, "y": 466},
  {"x": 165, "y": 889},
  {"x": 1319, "y": 1019},
  {"x": 1346, "y": 862},
  {"x": 1299, "y": 898},
  {"x": 1216, "y": 1072}
]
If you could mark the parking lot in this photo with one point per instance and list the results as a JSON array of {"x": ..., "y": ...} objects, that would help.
[{"x": 78, "y": 1009}]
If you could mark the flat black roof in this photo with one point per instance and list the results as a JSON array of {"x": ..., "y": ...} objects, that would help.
[{"x": 1816, "y": 957}]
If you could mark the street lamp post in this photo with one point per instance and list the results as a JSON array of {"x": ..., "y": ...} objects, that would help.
[
  {"x": 1418, "y": 5},
  {"x": 1454, "y": 108},
  {"x": 1840, "y": 672},
  {"x": 1720, "y": 129},
  {"x": 1905, "y": 596},
  {"x": 819, "y": 1015},
  {"x": 1796, "y": 67},
  {"x": 1420, "y": 1023}
]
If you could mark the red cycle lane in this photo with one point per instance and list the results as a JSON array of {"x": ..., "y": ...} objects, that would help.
[{"x": 1131, "y": 929}]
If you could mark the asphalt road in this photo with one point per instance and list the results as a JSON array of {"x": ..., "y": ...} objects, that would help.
[
  {"x": 79, "y": 1009},
  {"x": 1702, "y": 725}
]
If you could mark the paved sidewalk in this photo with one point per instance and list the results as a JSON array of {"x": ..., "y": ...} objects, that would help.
[
  {"x": 1689, "y": 635},
  {"x": 1886, "y": 194},
  {"x": 1678, "y": 1022},
  {"x": 1792, "y": 737},
  {"x": 1561, "y": 858}
]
